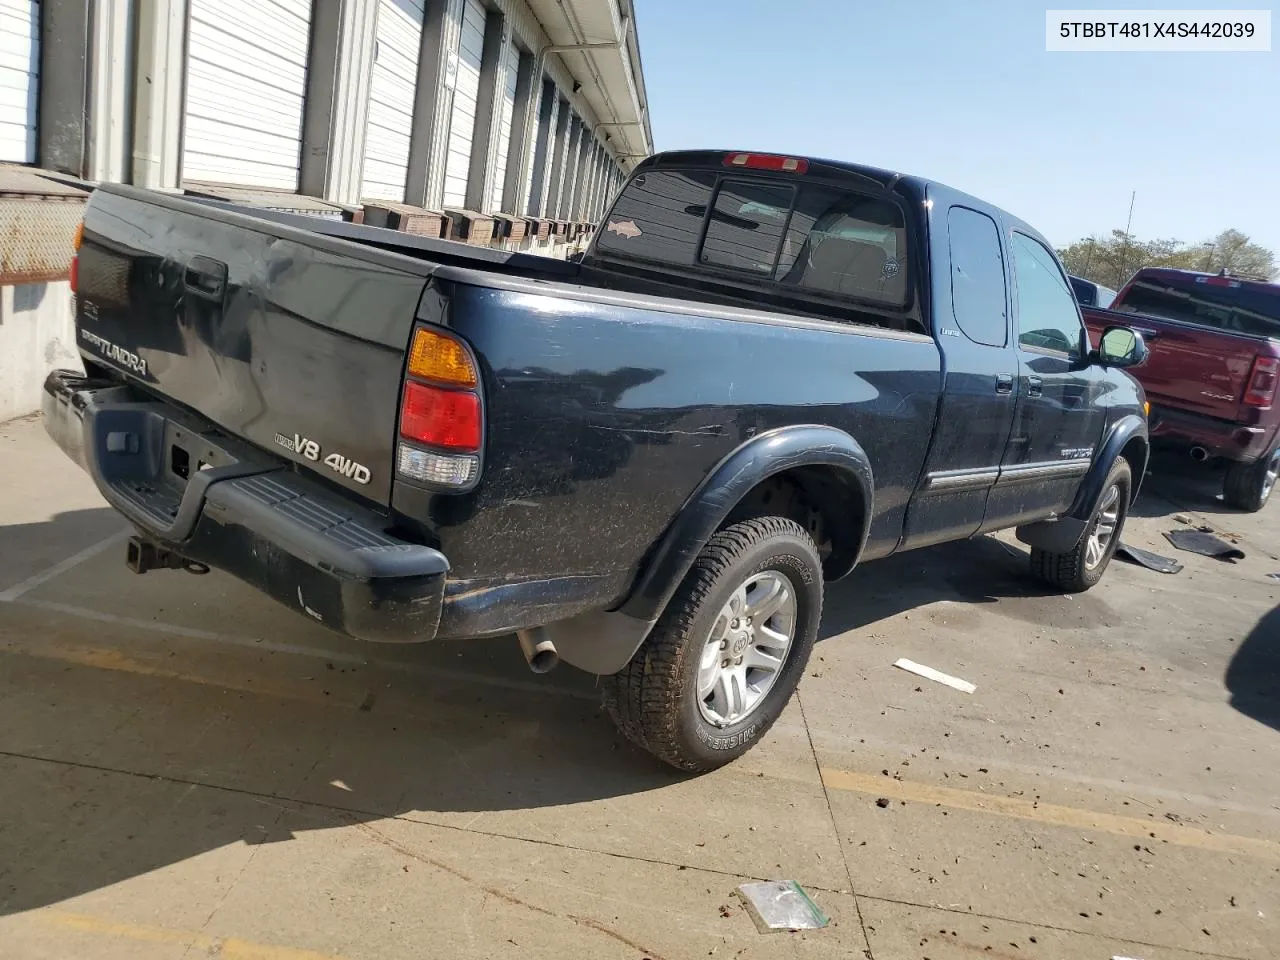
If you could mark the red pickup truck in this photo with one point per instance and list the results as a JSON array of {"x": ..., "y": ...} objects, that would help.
[{"x": 1211, "y": 376}]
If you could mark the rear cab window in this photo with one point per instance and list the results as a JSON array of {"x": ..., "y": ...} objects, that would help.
[
  {"x": 802, "y": 239},
  {"x": 1221, "y": 303},
  {"x": 978, "y": 291}
]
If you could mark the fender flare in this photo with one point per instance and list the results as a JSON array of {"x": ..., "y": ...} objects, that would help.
[
  {"x": 1117, "y": 438},
  {"x": 766, "y": 455},
  {"x": 1062, "y": 535}
]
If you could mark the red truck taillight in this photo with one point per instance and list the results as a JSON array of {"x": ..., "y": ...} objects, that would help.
[
  {"x": 441, "y": 427},
  {"x": 1261, "y": 391}
]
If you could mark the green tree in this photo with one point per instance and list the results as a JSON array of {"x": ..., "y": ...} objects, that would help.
[
  {"x": 1234, "y": 251},
  {"x": 1112, "y": 260}
]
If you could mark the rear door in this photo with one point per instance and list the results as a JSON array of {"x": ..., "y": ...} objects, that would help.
[
  {"x": 1058, "y": 420},
  {"x": 978, "y": 394},
  {"x": 1203, "y": 333}
]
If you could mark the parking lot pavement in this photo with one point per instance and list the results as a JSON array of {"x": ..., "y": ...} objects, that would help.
[{"x": 187, "y": 769}]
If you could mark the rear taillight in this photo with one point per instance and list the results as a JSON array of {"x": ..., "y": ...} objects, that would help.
[
  {"x": 766, "y": 161},
  {"x": 441, "y": 427},
  {"x": 440, "y": 418},
  {"x": 1261, "y": 391}
]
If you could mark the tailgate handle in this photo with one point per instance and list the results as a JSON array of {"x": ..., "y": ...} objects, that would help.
[{"x": 205, "y": 277}]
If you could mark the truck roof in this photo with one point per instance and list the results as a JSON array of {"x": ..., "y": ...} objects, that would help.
[{"x": 1222, "y": 276}]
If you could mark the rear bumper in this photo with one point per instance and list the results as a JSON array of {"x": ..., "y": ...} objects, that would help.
[
  {"x": 1221, "y": 438},
  {"x": 207, "y": 497}
]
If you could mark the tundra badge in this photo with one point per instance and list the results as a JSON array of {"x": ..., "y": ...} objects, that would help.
[{"x": 310, "y": 449}]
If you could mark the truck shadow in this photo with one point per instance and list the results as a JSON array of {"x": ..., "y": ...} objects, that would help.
[
  {"x": 124, "y": 752},
  {"x": 1175, "y": 482},
  {"x": 26, "y": 549},
  {"x": 1253, "y": 676},
  {"x": 984, "y": 570}
]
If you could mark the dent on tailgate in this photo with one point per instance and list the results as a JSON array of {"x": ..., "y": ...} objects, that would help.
[{"x": 294, "y": 347}]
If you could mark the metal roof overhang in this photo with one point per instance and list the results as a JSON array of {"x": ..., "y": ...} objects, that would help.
[{"x": 596, "y": 41}]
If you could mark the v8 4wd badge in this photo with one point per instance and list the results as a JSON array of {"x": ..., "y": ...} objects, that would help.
[{"x": 310, "y": 449}]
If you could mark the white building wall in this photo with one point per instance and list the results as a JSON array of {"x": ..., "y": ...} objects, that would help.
[{"x": 37, "y": 334}]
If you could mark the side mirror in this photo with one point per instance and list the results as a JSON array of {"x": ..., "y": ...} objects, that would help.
[{"x": 1121, "y": 347}]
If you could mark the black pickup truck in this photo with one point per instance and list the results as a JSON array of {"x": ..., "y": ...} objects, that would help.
[{"x": 647, "y": 463}]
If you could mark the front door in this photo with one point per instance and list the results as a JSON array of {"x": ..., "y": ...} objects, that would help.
[{"x": 1058, "y": 420}]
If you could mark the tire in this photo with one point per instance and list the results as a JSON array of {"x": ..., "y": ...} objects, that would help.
[
  {"x": 654, "y": 699},
  {"x": 1079, "y": 569},
  {"x": 1248, "y": 486}
]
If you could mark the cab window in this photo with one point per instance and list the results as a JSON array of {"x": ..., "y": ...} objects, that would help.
[{"x": 1048, "y": 317}]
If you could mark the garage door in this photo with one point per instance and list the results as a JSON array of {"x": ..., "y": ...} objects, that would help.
[
  {"x": 19, "y": 79},
  {"x": 391, "y": 95},
  {"x": 246, "y": 84},
  {"x": 511, "y": 63},
  {"x": 462, "y": 118}
]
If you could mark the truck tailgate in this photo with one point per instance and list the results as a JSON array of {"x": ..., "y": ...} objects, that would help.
[
  {"x": 1192, "y": 368},
  {"x": 291, "y": 341}
]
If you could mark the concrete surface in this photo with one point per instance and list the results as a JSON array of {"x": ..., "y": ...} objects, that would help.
[
  {"x": 37, "y": 334},
  {"x": 188, "y": 770}
]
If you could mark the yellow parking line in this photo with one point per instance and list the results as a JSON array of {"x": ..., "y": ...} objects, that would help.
[
  {"x": 227, "y": 948},
  {"x": 1050, "y": 814}
]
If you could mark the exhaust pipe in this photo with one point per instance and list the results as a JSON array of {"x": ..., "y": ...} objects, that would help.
[
  {"x": 1199, "y": 454},
  {"x": 538, "y": 649}
]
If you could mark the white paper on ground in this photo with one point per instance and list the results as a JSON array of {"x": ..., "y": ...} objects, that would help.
[{"x": 919, "y": 669}]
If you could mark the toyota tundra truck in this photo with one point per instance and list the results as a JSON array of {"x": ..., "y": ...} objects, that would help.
[{"x": 648, "y": 463}]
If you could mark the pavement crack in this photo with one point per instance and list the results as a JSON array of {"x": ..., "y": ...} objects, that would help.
[
  {"x": 492, "y": 891},
  {"x": 267, "y": 798},
  {"x": 835, "y": 827},
  {"x": 280, "y": 812}
]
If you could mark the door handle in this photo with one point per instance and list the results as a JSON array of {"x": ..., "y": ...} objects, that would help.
[
  {"x": 1035, "y": 386},
  {"x": 205, "y": 277},
  {"x": 1004, "y": 383}
]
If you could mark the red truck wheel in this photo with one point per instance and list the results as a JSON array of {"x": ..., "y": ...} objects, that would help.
[
  {"x": 727, "y": 653},
  {"x": 1248, "y": 486}
]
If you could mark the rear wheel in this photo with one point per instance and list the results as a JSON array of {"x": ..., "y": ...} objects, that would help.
[
  {"x": 727, "y": 653},
  {"x": 1248, "y": 486},
  {"x": 1079, "y": 569}
]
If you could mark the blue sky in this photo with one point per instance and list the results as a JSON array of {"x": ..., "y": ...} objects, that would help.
[{"x": 965, "y": 93}]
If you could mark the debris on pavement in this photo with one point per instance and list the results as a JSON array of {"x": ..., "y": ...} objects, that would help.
[
  {"x": 1145, "y": 558},
  {"x": 920, "y": 670},
  {"x": 1205, "y": 544},
  {"x": 882, "y": 802},
  {"x": 781, "y": 905}
]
